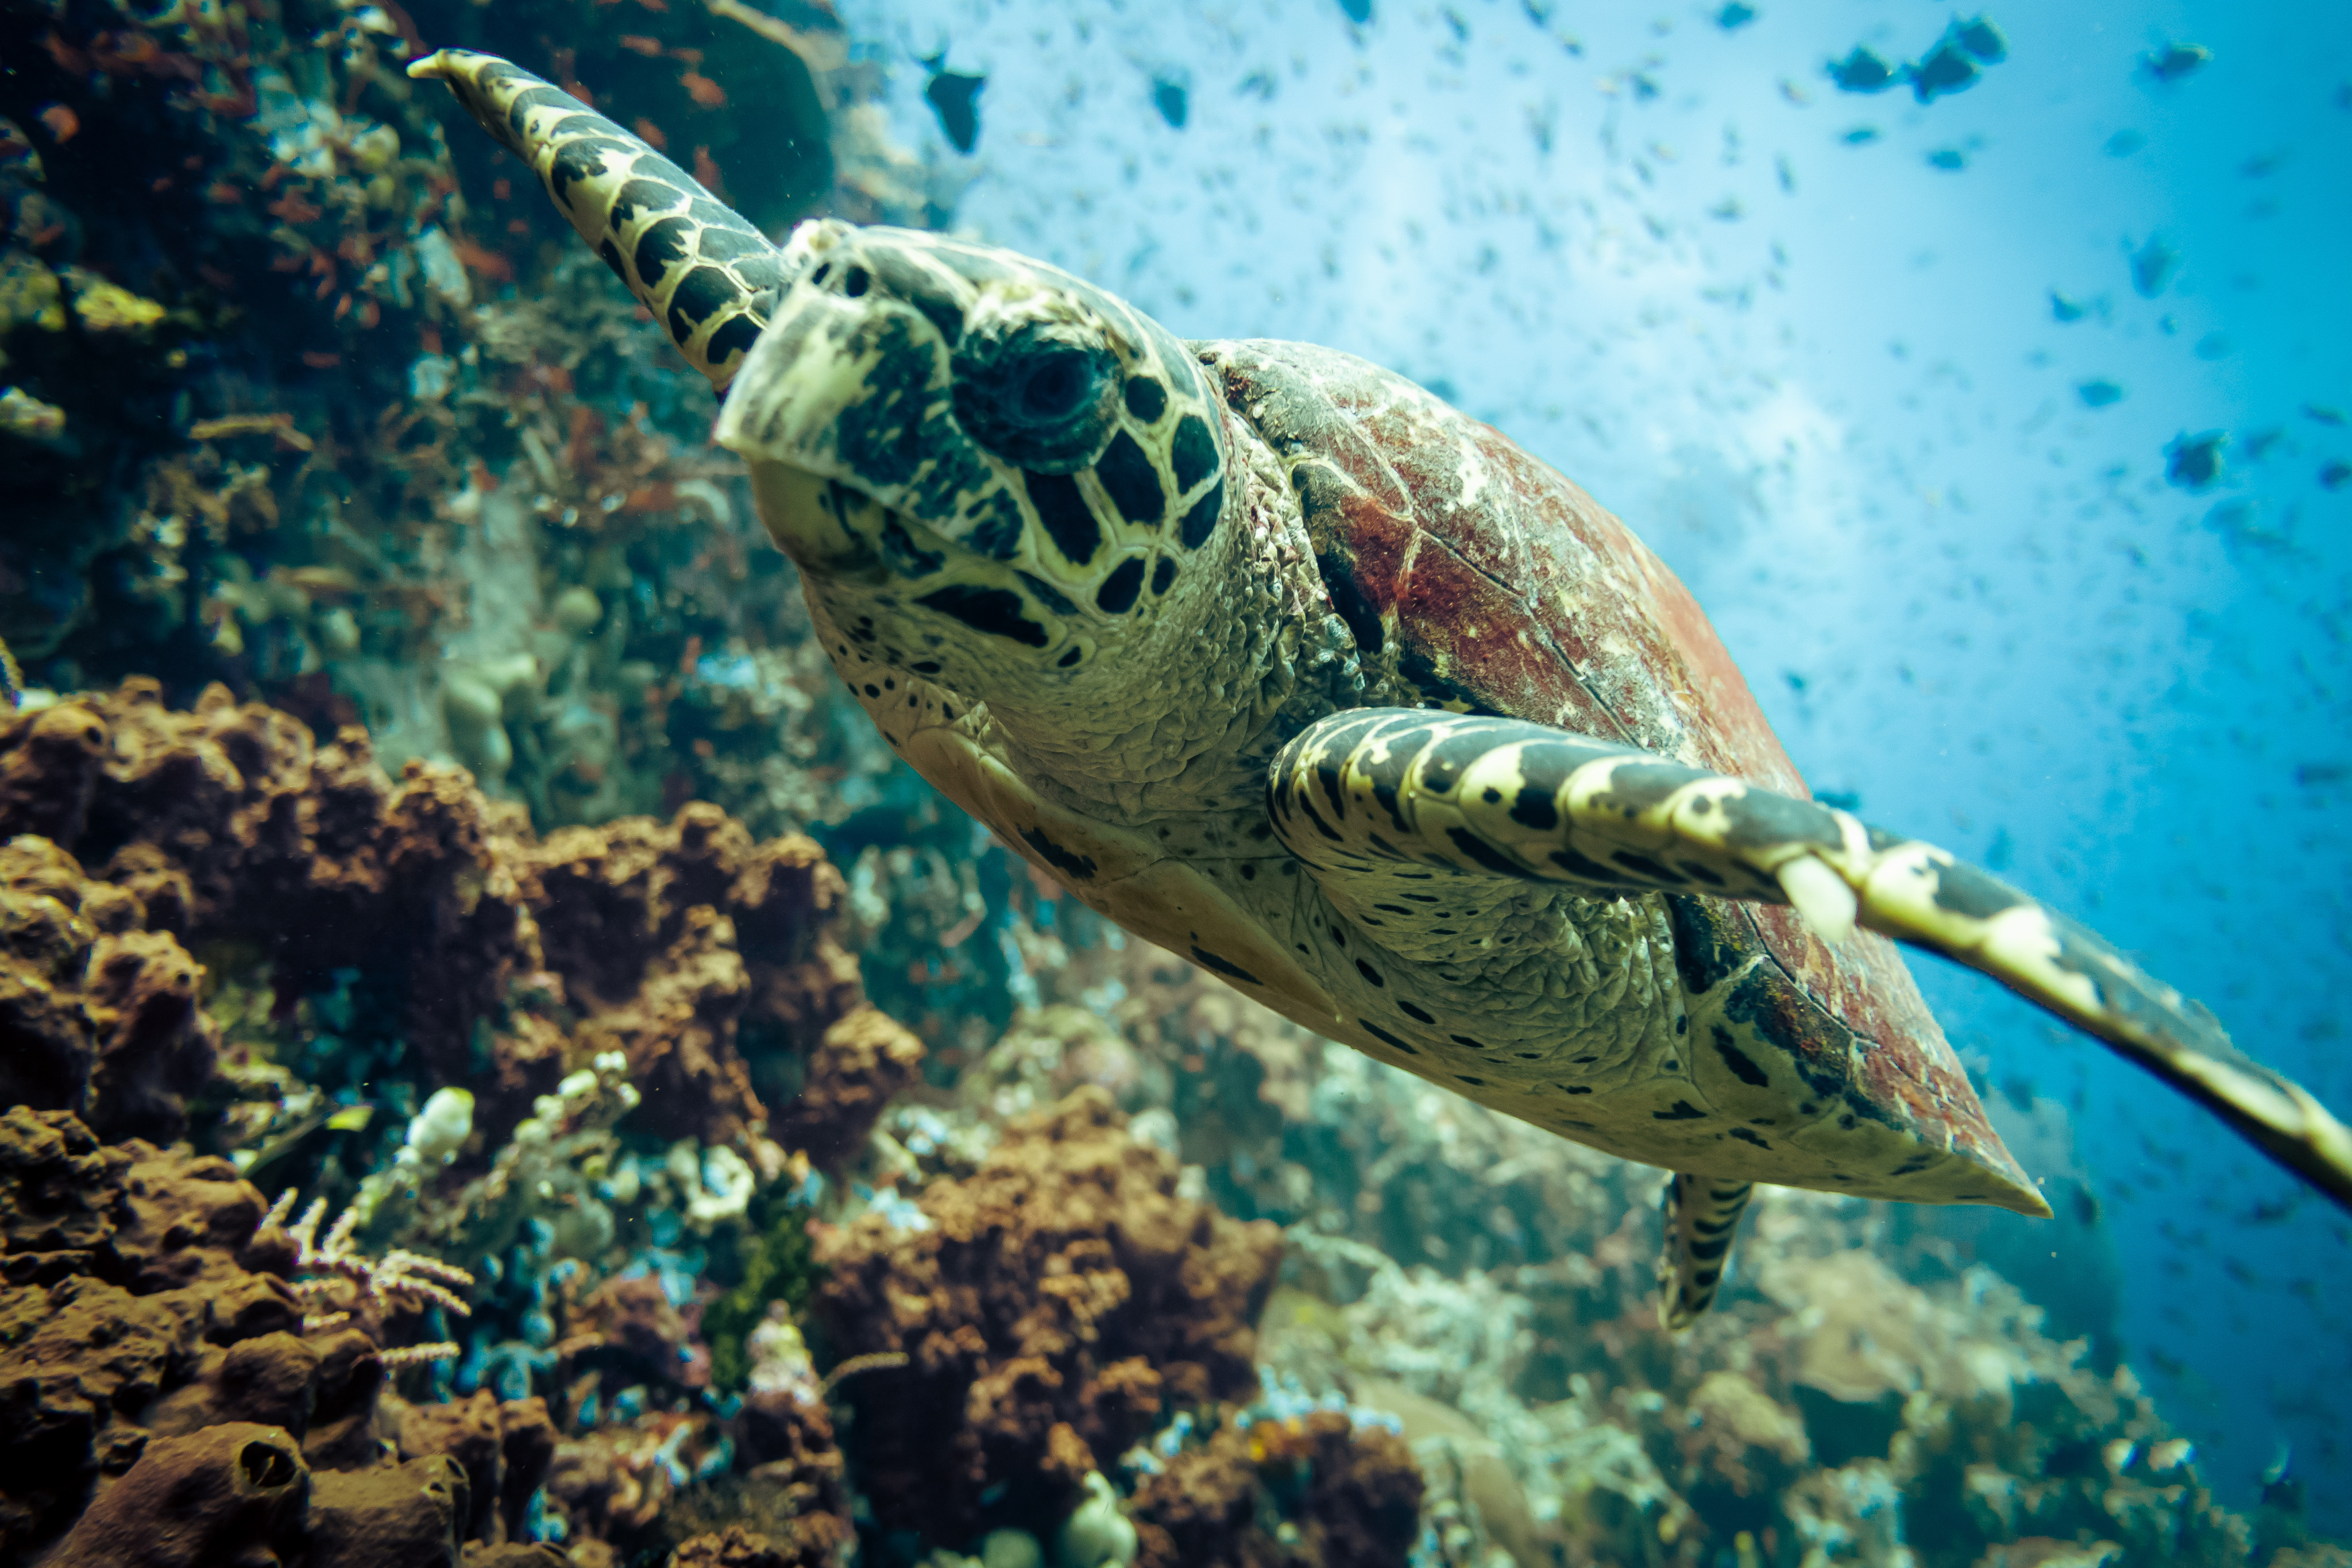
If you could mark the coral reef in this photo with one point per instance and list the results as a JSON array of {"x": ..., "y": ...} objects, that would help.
[
  {"x": 610, "y": 1220},
  {"x": 478, "y": 945},
  {"x": 1040, "y": 1313}
]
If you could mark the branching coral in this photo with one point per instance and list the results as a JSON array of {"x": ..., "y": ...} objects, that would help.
[{"x": 400, "y": 1280}]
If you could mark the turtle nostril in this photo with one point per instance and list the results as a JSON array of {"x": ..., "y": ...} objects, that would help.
[{"x": 855, "y": 281}]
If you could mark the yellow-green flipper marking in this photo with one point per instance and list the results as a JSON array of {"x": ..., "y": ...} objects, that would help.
[
  {"x": 1505, "y": 797},
  {"x": 1701, "y": 1216},
  {"x": 709, "y": 277}
]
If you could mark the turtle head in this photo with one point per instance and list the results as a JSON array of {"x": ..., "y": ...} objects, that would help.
[
  {"x": 990, "y": 473},
  {"x": 988, "y": 469}
]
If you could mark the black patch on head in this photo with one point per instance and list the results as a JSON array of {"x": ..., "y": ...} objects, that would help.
[
  {"x": 1369, "y": 973},
  {"x": 1162, "y": 575},
  {"x": 1202, "y": 521},
  {"x": 1195, "y": 453},
  {"x": 1130, "y": 481},
  {"x": 1146, "y": 400},
  {"x": 741, "y": 332},
  {"x": 659, "y": 247},
  {"x": 1473, "y": 1082},
  {"x": 1047, "y": 594},
  {"x": 1117, "y": 593},
  {"x": 906, "y": 558},
  {"x": 1348, "y": 600},
  {"x": 1383, "y": 1035},
  {"x": 1231, "y": 971},
  {"x": 698, "y": 297},
  {"x": 1068, "y": 521},
  {"x": 998, "y": 536},
  {"x": 1070, "y": 657},
  {"x": 881, "y": 435},
  {"x": 920, "y": 288},
  {"x": 1487, "y": 855},
  {"x": 996, "y": 611},
  {"x": 1081, "y": 866},
  {"x": 1416, "y": 1014},
  {"x": 1466, "y": 1040},
  {"x": 1684, "y": 1110},
  {"x": 1743, "y": 1067}
]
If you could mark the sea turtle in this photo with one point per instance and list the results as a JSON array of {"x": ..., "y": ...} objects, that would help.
[{"x": 1281, "y": 663}]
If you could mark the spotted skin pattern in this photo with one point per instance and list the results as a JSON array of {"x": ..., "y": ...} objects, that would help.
[
  {"x": 1280, "y": 663},
  {"x": 1701, "y": 1217},
  {"x": 704, "y": 272},
  {"x": 1500, "y": 797}
]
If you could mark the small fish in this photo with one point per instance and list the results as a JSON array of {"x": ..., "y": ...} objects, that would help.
[
  {"x": 2098, "y": 393},
  {"x": 1946, "y": 69},
  {"x": 352, "y": 1118},
  {"x": 1864, "y": 71},
  {"x": 63, "y": 124},
  {"x": 2194, "y": 462},
  {"x": 2335, "y": 474},
  {"x": 2173, "y": 61},
  {"x": 1734, "y": 16},
  {"x": 2066, "y": 310},
  {"x": 955, "y": 97},
  {"x": 1948, "y": 158},
  {"x": 2152, "y": 266},
  {"x": 1980, "y": 38},
  {"x": 2123, "y": 143},
  {"x": 2327, "y": 413},
  {"x": 1172, "y": 98}
]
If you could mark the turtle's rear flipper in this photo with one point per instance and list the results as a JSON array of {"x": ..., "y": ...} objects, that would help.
[
  {"x": 1504, "y": 797},
  {"x": 1701, "y": 1216}
]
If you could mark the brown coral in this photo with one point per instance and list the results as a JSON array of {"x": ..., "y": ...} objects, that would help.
[
  {"x": 1054, "y": 1302},
  {"x": 1357, "y": 1499},
  {"x": 227, "y": 825}
]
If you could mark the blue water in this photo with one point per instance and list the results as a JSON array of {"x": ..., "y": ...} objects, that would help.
[{"x": 1810, "y": 349}]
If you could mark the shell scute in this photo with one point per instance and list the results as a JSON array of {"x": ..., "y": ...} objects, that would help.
[{"x": 1502, "y": 587}]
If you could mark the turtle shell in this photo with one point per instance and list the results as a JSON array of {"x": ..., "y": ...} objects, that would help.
[{"x": 1494, "y": 585}]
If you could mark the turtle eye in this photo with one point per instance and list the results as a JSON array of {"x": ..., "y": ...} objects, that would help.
[
  {"x": 1055, "y": 385},
  {"x": 1042, "y": 394}
]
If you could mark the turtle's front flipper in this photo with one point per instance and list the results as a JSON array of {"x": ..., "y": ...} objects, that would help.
[
  {"x": 1701, "y": 1216},
  {"x": 1504, "y": 797},
  {"x": 706, "y": 275}
]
